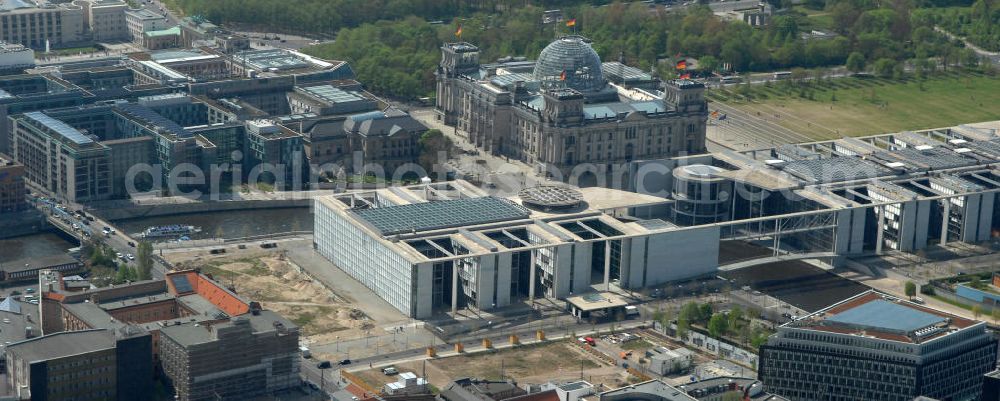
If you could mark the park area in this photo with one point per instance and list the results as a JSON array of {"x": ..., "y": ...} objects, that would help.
[
  {"x": 832, "y": 108},
  {"x": 279, "y": 285}
]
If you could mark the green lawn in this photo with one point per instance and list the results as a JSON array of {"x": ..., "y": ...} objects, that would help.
[
  {"x": 815, "y": 19},
  {"x": 866, "y": 106}
]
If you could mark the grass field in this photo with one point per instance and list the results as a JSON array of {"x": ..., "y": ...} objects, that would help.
[{"x": 857, "y": 106}]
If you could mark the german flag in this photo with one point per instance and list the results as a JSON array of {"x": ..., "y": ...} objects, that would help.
[
  {"x": 571, "y": 22},
  {"x": 682, "y": 64},
  {"x": 458, "y": 33},
  {"x": 562, "y": 77}
]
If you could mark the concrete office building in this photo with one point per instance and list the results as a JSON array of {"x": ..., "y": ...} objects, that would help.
[
  {"x": 12, "y": 189},
  {"x": 877, "y": 347},
  {"x": 139, "y": 21},
  {"x": 49, "y": 25},
  {"x": 105, "y": 20},
  {"x": 833, "y": 199},
  {"x": 30, "y": 92},
  {"x": 435, "y": 247},
  {"x": 248, "y": 356},
  {"x": 60, "y": 159},
  {"x": 560, "y": 111},
  {"x": 15, "y": 58},
  {"x": 94, "y": 365}
]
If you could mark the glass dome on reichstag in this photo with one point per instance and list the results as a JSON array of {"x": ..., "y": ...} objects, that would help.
[{"x": 573, "y": 56}]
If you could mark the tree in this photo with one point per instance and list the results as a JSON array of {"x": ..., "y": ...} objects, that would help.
[
  {"x": 705, "y": 312},
  {"x": 855, "y": 62},
  {"x": 735, "y": 317},
  {"x": 708, "y": 63},
  {"x": 682, "y": 327},
  {"x": 718, "y": 325},
  {"x": 884, "y": 67},
  {"x": 910, "y": 289},
  {"x": 995, "y": 313},
  {"x": 144, "y": 260},
  {"x": 977, "y": 311},
  {"x": 689, "y": 311},
  {"x": 432, "y": 144}
]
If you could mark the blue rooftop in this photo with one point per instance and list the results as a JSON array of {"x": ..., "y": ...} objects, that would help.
[
  {"x": 886, "y": 316},
  {"x": 371, "y": 115},
  {"x": 72, "y": 134}
]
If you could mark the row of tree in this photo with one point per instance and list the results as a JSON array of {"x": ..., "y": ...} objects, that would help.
[
  {"x": 734, "y": 323},
  {"x": 99, "y": 256},
  {"x": 328, "y": 16},
  {"x": 398, "y": 57},
  {"x": 980, "y": 23}
]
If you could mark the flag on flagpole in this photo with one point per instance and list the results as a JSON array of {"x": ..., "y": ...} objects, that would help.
[
  {"x": 722, "y": 117},
  {"x": 458, "y": 33},
  {"x": 685, "y": 76},
  {"x": 562, "y": 77},
  {"x": 571, "y": 22},
  {"x": 682, "y": 64},
  {"x": 715, "y": 114}
]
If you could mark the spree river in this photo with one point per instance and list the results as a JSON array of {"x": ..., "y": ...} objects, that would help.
[
  {"x": 35, "y": 245},
  {"x": 229, "y": 224}
]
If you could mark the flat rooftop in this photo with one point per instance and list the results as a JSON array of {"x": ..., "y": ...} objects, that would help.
[
  {"x": 597, "y": 301},
  {"x": 650, "y": 390},
  {"x": 63, "y": 344},
  {"x": 193, "y": 333},
  {"x": 434, "y": 215},
  {"x": 884, "y": 317}
]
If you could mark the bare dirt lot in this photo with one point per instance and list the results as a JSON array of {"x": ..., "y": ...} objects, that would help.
[
  {"x": 279, "y": 285},
  {"x": 536, "y": 363}
]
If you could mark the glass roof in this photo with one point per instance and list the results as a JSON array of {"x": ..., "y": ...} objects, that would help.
[
  {"x": 59, "y": 127},
  {"x": 570, "y": 61},
  {"x": 888, "y": 316},
  {"x": 332, "y": 94}
]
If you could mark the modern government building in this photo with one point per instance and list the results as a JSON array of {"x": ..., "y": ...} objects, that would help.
[
  {"x": 437, "y": 247},
  {"x": 678, "y": 216}
]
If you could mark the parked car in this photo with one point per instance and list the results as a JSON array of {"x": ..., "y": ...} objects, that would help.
[
  {"x": 344, "y": 362},
  {"x": 390, "y": 371},
  {"x": 325, "y": 365}
]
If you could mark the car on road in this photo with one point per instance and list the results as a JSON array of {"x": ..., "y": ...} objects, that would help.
[
  {"x": 324, "y": 365},
  {"x": 130, "y": 256},
  {"x": 344, "y": 362},
  {"x": 131, "y": 244},
  {"x": 119, "y": 255}
]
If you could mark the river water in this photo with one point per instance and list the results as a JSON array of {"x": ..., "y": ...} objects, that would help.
[
  {"x": 35, "y": 245},
  {"x": 229, "y": 224}
]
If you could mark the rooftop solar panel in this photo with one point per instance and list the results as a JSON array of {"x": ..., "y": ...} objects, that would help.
[
  {"x": 935, "y": 158},
  {"x": 441, "y": 214},
  {"x": 151, "y": 117},
  {"x": 59, "y": 127},
  {"x": 181, "y": 283},
  {"x": 888, "y": 316},
  {"x": 835, "y": 169}
]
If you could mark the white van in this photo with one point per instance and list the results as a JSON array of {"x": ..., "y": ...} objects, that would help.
[
  {"x": 631, "y": 310},
  {"x": 305, "y": 352}
]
